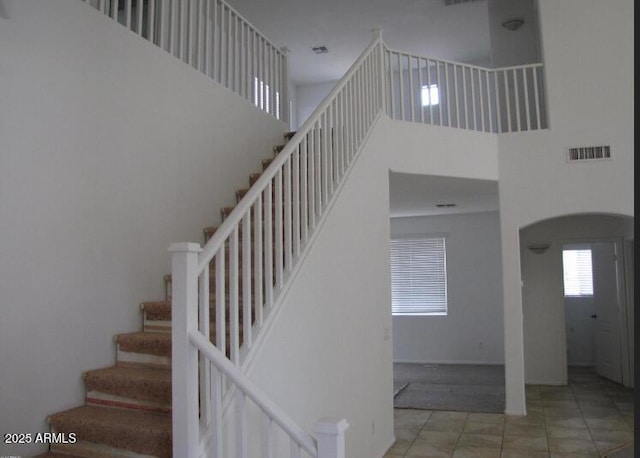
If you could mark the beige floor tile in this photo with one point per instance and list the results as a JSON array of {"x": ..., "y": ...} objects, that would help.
[
  {"x": 562, "y": 412},
  {"x": 400, "y": 446},
  {"x": 524, "y": 454},
  {"x": 449, "y": 415},
  {"x": 486, "y": 417},
  {"x": 444, "y": 425},
  {"x": 619, "y": 436},
  {"x": 393, "y": 455},
  {"x": 415, "y": 414},
  {"x": 480, "y": 440},
  {"x": 560, "y": 404},
  {"x": 406, "y": 433},
  {"x": 572, "y": 422},
  {"x": 525, "y": 443},
  {"x": 440, "y": 437},
  {"x": 625, "y": 406},
  {"x": 476, "y": 452},
  {"x": 478, "y": 427},
  {"x": 524, "y": 430},
  {"x": 529, "y": 419},
  {"x": 574, "y": 455},
  {"x": 422, "y": 448},
  {"x": 534, "y": 404},
  {"x": 613, "y": 423},
  {"x": 568, "y": 433},
  {"x": 571, "y": 446}
]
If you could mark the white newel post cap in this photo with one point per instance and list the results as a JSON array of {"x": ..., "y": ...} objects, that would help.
[
  {"x": 185, "y": 247},
  {"x": 330, "y": 436}
]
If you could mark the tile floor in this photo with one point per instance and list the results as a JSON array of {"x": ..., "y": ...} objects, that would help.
[{"x": 586, "y": 418}]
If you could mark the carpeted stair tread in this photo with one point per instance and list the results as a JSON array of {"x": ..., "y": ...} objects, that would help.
[
  {"x": 157, "y": 310},
  {"x": 152, "y": 343},
  {"x": 52, "y": 455},
  {"x": 148, "y": 384},
  {"x": 141, "y": 432}
]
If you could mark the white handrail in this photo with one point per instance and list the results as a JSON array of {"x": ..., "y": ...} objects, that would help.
[
  {"x": 253, "y": 392},
  {"x": 233, "y": 219}
]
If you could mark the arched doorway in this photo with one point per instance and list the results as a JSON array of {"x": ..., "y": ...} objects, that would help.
[{"x": 595, "y": 328}]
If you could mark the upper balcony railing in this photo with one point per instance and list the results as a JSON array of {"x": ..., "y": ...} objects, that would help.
[
  {"x": 451, "y": 94},
  {"x": 213, "y": 38}
]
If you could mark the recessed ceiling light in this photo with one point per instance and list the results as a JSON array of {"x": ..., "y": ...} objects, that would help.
[{"x": 320, "y": 49}]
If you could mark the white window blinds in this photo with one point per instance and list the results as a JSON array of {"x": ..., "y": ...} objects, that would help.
[
  {"x": 578, "y": 272},
  {"x": 418, "y": 276}
]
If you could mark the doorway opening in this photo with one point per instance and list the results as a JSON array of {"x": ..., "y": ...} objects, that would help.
[
  {"x": 594, "y": 307},
  {"x": 577, "y": 297}
]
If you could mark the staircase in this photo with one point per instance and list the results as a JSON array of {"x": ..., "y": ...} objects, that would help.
[{"x": 127, "y": 411}]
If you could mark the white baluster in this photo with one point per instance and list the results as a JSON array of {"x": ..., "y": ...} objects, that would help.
[
  {"x": 234, "y": 319},
  {"x": 247, "y": 334},
  {"x": 258, "y": 280}
]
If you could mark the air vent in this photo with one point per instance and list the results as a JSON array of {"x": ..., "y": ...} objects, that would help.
[
  {"x": 589, "y": 153},
  {"x": 456, "y": 2},
  {"x": 445, "y": 205},
  {"x": 320, "y": 49}
]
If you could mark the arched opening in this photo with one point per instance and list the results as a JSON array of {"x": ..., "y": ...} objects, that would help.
[{"x": 564, "y": 327}]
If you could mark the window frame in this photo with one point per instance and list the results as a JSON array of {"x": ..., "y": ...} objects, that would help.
[
  {"x": 439, "y": 305},
  {"x": 432, "y": 91},
  {"x": 580, "y": 286}
]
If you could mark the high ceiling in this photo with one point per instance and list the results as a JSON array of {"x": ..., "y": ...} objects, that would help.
[{"x": 430, "y": 28}]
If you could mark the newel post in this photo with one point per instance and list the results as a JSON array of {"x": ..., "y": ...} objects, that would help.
[
  {"x": 330, "y": 437},
  {"x": 184, "y": 356}
]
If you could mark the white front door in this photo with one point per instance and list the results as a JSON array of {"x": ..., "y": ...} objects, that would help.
[{"x": 607, "y": 310}]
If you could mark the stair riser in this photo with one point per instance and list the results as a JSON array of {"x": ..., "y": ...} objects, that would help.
[
  {"x": 142, "y": 359},
  {"x": 99, "y": 399},
  {"x": 86, "y": 449}
]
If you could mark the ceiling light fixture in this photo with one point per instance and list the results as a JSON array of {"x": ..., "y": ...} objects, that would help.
[{"x": 513, "y": 24}]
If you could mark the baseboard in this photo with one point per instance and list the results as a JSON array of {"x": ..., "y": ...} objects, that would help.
[
  {"x": 544, "y": 382},
  {"x": 464, "y": 362}
]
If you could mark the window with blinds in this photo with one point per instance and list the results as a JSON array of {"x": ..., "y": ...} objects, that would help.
[
  {"x": 418, "y": 276},
  {"x": 578, "y": 272}
]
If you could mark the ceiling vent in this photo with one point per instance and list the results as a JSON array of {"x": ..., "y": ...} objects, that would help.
[
  {"x": 589, "y": 153},
  {"x": 320, "y": 49},
  {"x": 456, "y": 2}
]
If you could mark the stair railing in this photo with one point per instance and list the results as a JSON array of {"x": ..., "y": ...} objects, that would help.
[
  {"x": 242, "y": 271},
  {"x": 451, "y": 94},
  {"x": 213, "y": 38}
]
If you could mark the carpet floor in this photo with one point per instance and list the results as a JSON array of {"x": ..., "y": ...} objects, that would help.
[{"x": 467, "y": 388}]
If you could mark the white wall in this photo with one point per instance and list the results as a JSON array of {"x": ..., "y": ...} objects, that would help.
[
  {"x": 536, "y": 183},
  {"x": 308, "y": 97},
  {"x": 513, "y": 47},
  {"x": 338, "y": 314},
  {"x": 545, "y": 339},
  {"x": 110, "y": 150},
  {"x": 344, "y": 287},
  {"x": 472, "y": 330}
]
